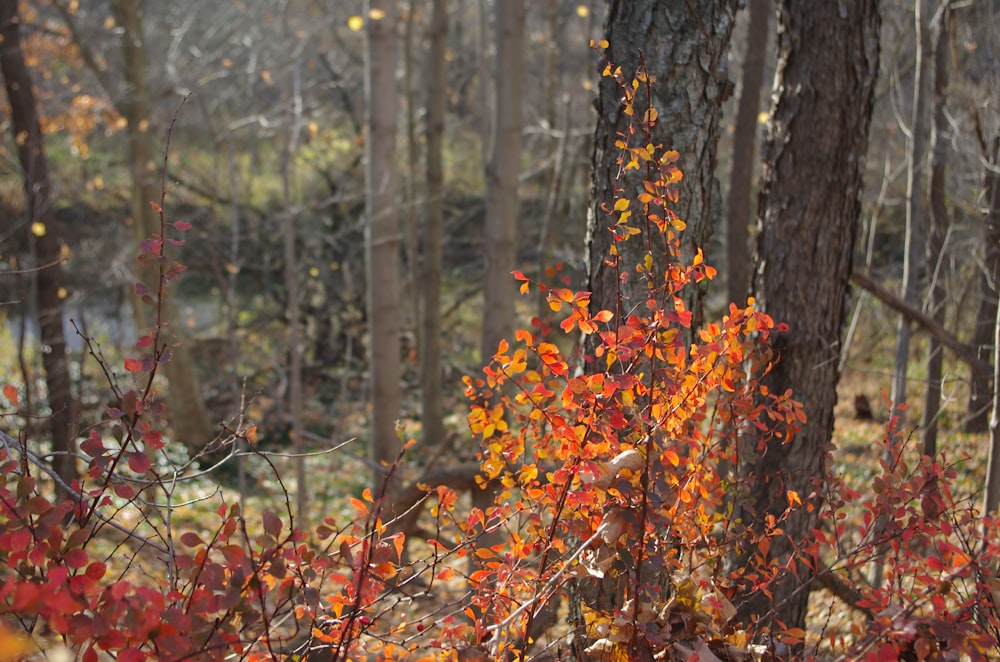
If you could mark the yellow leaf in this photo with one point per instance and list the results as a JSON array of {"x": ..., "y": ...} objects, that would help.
[
  {"x": 355, "y": 23},
  {"x": 376, "y": 14},
  {"x": 621, "y": 204},
  {"x": 38, "y": 229},
  {"x": 583, "y": 11}
]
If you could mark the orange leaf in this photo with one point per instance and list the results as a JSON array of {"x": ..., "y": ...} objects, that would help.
[{"x": 11, "y": 393}]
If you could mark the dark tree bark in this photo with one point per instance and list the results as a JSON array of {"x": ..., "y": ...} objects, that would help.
[
  {"x": 37, "y": 188},
  {"x": 683, "y": 45},
  {"x": 738, "y": 203},
  {"x": 981, "y": 388},
  {"x": 807, "y": 218},
  {"x": 432, "y": 410},
  {"x": 937, "y": 229}
]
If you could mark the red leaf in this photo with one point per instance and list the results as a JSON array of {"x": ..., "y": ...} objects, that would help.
[
  {"x": 139, "y": 462},
  {"x": 183, "y": 226},
  {"x": 11, "y": 393},
  {"x": 272, "y": 524},
  {"x": 133, "y": 365}
]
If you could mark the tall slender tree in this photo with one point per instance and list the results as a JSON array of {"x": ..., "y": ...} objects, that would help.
[
  {"x": 503, "y": 166},
  {"x": 382, "y": 235},
  {"x": 190, "y": 420},
  {"x": 827, "y": 52},
  {"x": 916, "y": 222},
  {"x": 938, "y": 224},
  {"x": 739, "y": 210},
  {"x": 430, "y": 346},
  {"x": 41, "y": 224}
]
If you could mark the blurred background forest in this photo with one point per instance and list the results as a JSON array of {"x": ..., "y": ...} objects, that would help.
[{"x": 267, "y": 163}]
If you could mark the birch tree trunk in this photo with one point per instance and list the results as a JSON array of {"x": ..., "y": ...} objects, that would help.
[{"x": 915, "y": 221}]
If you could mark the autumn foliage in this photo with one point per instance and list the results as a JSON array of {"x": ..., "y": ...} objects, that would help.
[{"x": 616, "y": 446}]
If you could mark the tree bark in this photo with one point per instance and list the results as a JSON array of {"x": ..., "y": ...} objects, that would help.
[
  {"x": 738, "y": 204},
  {"x": 382, "y": 237},
  {"x": 916, "y": 231},
  {"x": 980, "y": 388},
  {"x": 432, "y": 411},
  {"x": 937, "y": 229},
  {"x": 683, "y": 45},
  {"x": 189, "y": 417},
  {"x": 502, "y": 170},
  {"x": 807, "y": 218},
  {"x": 27, "y": 134}
]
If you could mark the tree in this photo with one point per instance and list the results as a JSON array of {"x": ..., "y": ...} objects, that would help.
[
  {"x": 916, "y": 230},
  {"x": 738, "y": 200},
  {"x": 682, "y": 44},
  {"x": 502, "y": 170},
  {"x": 430, "y": 323},
  {"x": 190, "y": 420},
  {"x": 382, "y": 236},
  {"x": 41, "y": 223},
  {"x": 938, "y": 224},
  {"x": 980, "y": 391},
  {"x": 808, "y": 210}
]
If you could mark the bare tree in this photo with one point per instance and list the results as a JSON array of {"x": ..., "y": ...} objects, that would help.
[
  {"x": 802, "y": 265},
  {"x": 738, "y": 202},
  {"x": 382, "y": 235},
  {"x": 190, "y": 420},
  {"x": 915, "y": 222},
  {"x": 27, "y": 134},
  {"x": 938, "y": 225},
  {"x": 430, "y": 347},
  {"x": 502, "y": 170}
]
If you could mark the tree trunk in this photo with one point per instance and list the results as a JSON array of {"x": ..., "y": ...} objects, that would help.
[
  {"x": 502, "y": 170},
  {"x": 28, "y": 137},
  {"x": 432, "y": 412},
  {"x": 683, "y": 44},
  {"x": 938, "y": 230},
  {"x": 980, "y": 389},
  {"x": 382, "y": 237},
  {"x": 738, "y": 205},
  {"x": 807, "y": 218},
  {"x": 915, "y": 222},
  {"x": 991, "y": 497},
  {"x": 189, "y": 418}
]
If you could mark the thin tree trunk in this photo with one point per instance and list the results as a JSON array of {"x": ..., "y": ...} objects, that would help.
[
  {"x": 292, "y": 308},
  {"x": 30, "y": 143},
  {"x": 991, "y": 498},
  {"x": 738, "y": 203},
  {"x": 802, "y": 265},
  {"x": 432, "y": 417},
  {"x": 915, "y": 221},
  {"x": 190, "y": 421},
  {"x": 980, "y": 389},
  {"x": 937, "y": 231},
  {"x": 411, "y": 246},
  {"x": 382, "y": 237},
  {"x": 502, "y": 170}
]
